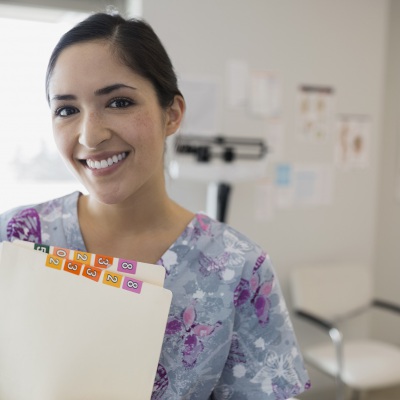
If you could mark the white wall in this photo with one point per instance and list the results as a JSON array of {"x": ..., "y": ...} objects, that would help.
[
  {"x": 339, "y": 43},
  {"x": 388, "y": 233}
]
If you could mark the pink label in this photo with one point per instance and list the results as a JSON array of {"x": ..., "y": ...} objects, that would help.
[
  {"x": 127, "y": 266},
  {"x": 132, "y": 285}
]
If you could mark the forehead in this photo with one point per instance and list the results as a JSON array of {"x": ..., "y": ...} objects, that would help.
[{"x": 90, "y": 65}]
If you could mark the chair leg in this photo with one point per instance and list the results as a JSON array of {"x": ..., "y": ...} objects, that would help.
[
  {"x": 356, "y": 395},
  {"x": 340, "y": 389},
  {"x": 359, "y": 395}
]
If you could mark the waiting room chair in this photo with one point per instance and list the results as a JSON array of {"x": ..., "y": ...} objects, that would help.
[{"x": 328, "y": 297}]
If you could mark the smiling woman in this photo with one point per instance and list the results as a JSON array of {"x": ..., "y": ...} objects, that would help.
[
  {"x": 97, "y": 117},
  {"x": 114, "y": 99}
]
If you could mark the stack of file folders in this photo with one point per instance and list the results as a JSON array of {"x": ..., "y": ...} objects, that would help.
[{"x": 78, "y": 326}]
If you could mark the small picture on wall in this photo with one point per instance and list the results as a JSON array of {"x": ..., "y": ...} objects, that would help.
[
  {"x": 352, "y": 141},
  {"x": 314, "y": 112}
]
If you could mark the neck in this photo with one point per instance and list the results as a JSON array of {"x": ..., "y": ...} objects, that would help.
[
  {"x": 142, "y": 227},
  {"x": 134, "y": 215}
]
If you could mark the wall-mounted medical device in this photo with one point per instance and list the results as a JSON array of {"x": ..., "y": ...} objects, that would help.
[{"x": 219, "y": 161}]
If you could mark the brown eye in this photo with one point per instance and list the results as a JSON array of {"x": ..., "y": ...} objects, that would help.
[
  {"x": 120, "y": 103},
  {"x": 65, "y": 111}
]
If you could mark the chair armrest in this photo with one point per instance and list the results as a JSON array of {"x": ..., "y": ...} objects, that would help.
[
  {"x": 386, "y": 305},
  {"x": 337, "y": 340},
  {"x": 321, "y": 323}
]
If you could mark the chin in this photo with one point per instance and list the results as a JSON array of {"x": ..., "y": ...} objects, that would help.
[{"x": 111, "y": 196}]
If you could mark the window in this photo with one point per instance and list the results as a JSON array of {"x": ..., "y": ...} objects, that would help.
[{"x": 32, "y": 170}]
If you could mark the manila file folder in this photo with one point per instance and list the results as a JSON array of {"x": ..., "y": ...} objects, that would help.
[{"x": 66, "y": 337}]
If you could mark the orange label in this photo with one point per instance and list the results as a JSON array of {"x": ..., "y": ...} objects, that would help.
[
  {"x": 54, "y": 261},
  {"x": 103, "y": 261},
  {"x": 82, "y": 257},
  {"x": 73, "y": 267},
  {"x": 92, "y": 273},
  {"x": 112, "y": 279}
]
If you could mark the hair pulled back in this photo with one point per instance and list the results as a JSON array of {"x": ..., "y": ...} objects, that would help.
[{"x": 135, "y": 44}]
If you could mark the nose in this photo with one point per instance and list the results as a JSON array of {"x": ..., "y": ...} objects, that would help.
[{"x": 92, "y": 131}]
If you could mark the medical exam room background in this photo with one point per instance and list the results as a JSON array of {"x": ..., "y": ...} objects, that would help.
[{"x": 328, "y": 195}]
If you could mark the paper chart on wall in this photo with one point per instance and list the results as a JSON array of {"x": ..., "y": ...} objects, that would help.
[
  {"x": 202, "y": 105},
  {"x": 265, "y": 94},
  {"x": 314, "y": 112},
  {"x": 65, "y": 336},
  {"x": 284, "y": 185},
  {"x": 352, "y": 136},
  {"x": 237, "y": 76},
  {"x": 313, "y": 185},
  {"x": 303, "y": 185}
]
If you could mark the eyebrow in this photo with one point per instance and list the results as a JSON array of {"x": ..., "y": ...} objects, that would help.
[
  {"x": 111, "y": 88},
  {"x": 99, "y": 92}
]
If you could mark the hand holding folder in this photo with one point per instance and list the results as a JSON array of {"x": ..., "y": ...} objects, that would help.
[{"x": 65, "y": 336}]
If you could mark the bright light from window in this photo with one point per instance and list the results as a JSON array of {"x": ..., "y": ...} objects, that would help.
[{"x": 28, "y": 157}]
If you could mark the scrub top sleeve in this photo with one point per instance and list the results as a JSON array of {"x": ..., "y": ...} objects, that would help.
[
  {"x": 3, "y": 227},
  {"x": 264, "y": 361}
]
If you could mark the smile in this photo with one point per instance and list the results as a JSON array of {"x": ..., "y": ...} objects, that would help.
[{"x": 106, "y": 163}]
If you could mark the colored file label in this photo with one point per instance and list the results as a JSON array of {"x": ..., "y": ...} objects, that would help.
[{"x": 112, "y": 279}]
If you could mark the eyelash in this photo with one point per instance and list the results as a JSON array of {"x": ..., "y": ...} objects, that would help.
[
  {"x": 128, "y": 102},
  {"x": 59, "y": 110}
]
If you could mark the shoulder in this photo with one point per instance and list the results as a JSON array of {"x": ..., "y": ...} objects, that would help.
[
  {"x": 26, "y": 222},
  {"x": 220, "y": 238},
  {"x": 230, "y": 235}
]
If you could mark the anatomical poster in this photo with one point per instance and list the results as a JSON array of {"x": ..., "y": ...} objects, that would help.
[
  {"x": 352, "y": 141},
  {"x": 314, "y": 112}
]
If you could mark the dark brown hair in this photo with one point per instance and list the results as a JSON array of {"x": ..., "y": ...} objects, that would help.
[{"x": 135, "y": 43}]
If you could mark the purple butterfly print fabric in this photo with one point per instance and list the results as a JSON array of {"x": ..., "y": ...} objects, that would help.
[
  {"x": 228, "y": 335},
  {"x": 25, "y": 225}
]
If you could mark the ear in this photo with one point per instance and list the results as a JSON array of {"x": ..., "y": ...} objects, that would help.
[{"x": 175, "y": 113}]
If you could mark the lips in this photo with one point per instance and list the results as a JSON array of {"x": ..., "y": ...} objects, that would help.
[{"x": 106, "y": 162}]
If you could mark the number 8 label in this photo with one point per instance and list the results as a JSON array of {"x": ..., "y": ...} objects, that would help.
[
  {"x": 127, "y": 266},
  {"x": 132, "y": 285}
]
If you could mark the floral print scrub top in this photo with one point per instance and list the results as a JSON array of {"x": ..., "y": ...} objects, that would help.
[{"x": 228, "y": 335}]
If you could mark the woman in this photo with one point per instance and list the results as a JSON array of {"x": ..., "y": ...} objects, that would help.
[{"x": 114, "y": 100}]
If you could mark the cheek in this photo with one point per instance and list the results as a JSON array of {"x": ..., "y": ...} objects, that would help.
[
  {"x": 146, "y": 133},
  {"x": 63, "y": 144}
]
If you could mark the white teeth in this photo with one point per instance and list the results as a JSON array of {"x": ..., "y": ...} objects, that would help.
[{"x": 105, "y": 163}]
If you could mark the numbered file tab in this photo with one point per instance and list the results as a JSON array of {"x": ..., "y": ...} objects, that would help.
[
  {"x": 127, "y": 266},
  {"x": 102, "y": 261},
  {"x": 133, "y": 285},
  {"x": 92, "y": 273},
  {"x": 73, "y": 267},
  {"x": 54, "y": 261},
  {"x": 112, "y": 279}
]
